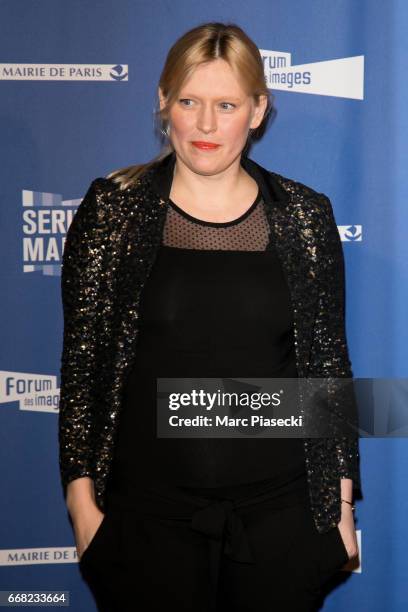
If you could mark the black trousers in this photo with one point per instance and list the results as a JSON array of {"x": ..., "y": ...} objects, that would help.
[{"x": 197, "y": 554}]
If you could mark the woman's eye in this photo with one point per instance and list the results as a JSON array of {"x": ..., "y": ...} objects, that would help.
[
  {"x": 229, "y": 104},
  {"x": 185, "y": 100}
]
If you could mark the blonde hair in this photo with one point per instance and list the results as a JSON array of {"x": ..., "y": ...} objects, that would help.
[{"x": 201, "y": 44}]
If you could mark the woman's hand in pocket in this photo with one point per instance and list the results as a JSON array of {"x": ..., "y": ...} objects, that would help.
[
  {"x": 348, "y": 531},
  {"x": 86, "y": 525}
]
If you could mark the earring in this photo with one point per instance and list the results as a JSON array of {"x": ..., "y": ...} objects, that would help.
[{"x": 166, "y": 131}]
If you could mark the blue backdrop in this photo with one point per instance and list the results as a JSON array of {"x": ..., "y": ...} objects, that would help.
[{"x": 341, "y": 127}]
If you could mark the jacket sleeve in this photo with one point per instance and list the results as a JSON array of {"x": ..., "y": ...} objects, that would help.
[
  {"x": 330, "y": 356},
  {"x": 81, "y": 278}
]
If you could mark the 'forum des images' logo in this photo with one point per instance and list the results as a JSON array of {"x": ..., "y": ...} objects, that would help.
[
  {"x": 340, "y": 78},
  {"x": 34, "y": 392}
]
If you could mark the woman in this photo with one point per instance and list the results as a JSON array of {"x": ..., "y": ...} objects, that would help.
[{"x": 202, "y": 263}]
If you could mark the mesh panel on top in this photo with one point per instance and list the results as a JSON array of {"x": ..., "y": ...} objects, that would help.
[{"x": 248, "y": 232}]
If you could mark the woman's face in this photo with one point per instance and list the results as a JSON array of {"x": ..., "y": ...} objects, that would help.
[{"x": 212, "y": 108}]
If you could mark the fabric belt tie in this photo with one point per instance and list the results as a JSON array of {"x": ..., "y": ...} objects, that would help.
[{"x": 219, "y": 518}]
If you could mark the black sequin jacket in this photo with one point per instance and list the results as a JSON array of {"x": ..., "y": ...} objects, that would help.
[{"x": 110, "y": 247}]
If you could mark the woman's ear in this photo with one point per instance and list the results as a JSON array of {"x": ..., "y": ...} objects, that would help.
[
  {"x": 259, "y": 112},
  {"x": 161, "y": 98}
]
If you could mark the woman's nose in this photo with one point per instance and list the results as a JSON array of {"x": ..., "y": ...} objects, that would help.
[{"x": 206, "y": 119}]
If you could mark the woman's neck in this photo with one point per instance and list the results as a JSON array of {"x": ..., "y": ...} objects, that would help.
[{"x": 218, "y": 197}]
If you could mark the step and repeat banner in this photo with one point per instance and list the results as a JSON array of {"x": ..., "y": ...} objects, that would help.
[{"x": 78, "y": 85}]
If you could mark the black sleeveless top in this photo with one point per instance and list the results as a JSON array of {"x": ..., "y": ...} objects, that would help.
[{"x": 216, "y": 304}]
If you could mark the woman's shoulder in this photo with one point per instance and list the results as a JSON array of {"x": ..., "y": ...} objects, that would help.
[
  {"x": 296, "y": 188},
  {"x": 112, "y": 187},
  {"x": 106, "y": 207},
  {"x": 306, "y": 202},
  {"x": 105, "y": 185},
  {"x": 106, "y": 194},
  {"x": 304, "y": 196}
]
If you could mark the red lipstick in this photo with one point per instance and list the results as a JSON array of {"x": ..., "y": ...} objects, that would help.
[{"x": 201, "y": 144}]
